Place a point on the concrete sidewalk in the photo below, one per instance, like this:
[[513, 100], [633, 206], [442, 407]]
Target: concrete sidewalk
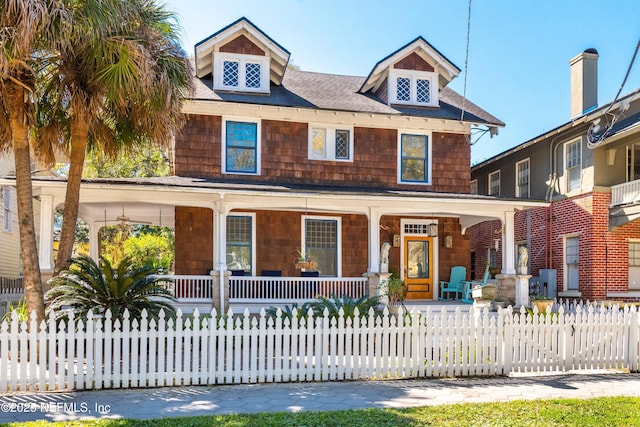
[[295, 397]]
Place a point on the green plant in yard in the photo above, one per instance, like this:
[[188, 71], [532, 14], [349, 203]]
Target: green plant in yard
[[87, 285], [396, 290], [288, 311], [348, 304], [20, 309]]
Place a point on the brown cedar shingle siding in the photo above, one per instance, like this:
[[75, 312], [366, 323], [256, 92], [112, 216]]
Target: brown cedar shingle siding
[[194, 240], [242, 45], [284, 153], [413, 62]]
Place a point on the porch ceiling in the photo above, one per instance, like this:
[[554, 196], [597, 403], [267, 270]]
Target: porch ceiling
[[113, 213]]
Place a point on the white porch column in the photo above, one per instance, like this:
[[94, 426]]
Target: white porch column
[[94, 241], [220, 250], [46, 233], [508, 243], [374, 239]]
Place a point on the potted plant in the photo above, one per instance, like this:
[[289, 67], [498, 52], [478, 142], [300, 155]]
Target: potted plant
[[396, 291], [542, 302], [304, 260], [493, 270]]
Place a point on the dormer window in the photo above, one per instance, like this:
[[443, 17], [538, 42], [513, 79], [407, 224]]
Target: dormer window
[[242, 73], [413, 87]]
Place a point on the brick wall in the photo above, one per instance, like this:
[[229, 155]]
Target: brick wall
[[603, 254], [284, 154], [482, 237]]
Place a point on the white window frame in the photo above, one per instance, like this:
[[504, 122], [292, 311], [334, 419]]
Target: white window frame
[[303, 235], [429, 156], [330, 142], [413, 76], [242, 59], [518, 192], [567, 169], [224, 144], [252, 216], [634, 270], [7, 209], [565, 284], [473, 187], [492, 174]]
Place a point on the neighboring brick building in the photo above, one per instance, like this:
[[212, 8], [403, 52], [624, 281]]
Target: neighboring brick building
[[588, 168]]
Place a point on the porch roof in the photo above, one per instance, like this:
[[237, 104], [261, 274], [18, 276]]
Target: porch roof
[[102, 198]]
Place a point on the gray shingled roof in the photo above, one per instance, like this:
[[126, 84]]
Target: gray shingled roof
[[305, 89]]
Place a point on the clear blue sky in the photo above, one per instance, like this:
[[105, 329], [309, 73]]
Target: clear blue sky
[[519, 50]]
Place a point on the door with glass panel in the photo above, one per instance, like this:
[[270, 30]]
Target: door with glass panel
[[418, 267]]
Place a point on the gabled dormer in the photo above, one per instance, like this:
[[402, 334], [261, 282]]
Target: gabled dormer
[[241, 58], [412, 75]]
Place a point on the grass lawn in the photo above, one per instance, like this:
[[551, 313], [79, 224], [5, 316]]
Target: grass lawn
[[606, 411]]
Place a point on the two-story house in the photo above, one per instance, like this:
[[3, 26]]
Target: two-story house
[[274, 161], [586, 244]]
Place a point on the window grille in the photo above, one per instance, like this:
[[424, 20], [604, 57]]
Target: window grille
[[403, 89], [424, 91], [342, 144], [230, 75], [252, 77]]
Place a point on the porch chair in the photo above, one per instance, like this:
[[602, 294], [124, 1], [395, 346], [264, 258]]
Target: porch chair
[[455, 285], [469, 285]]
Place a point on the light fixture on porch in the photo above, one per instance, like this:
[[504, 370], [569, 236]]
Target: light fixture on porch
[[432, 229]]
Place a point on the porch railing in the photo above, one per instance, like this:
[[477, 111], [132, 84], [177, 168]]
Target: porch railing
[[11, 288], [626, 193], [252, 289], [244, 289]]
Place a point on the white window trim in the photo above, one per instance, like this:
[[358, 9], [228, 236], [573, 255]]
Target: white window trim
[[474, 184], [7, 209], [251, 215], [429, 157], [528, 180], [224, 144], [566, 292], [496, 172], [330, 142], [242, 59], [413, 75], [566, 170], [629, 288], [338, 220]]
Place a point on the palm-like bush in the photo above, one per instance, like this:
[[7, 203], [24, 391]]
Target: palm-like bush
[[87, 286], [348, 304]]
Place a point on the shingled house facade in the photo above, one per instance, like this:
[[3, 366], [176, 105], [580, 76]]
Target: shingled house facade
[[275, 162]]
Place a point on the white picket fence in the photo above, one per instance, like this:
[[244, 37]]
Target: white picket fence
[[206, 350]]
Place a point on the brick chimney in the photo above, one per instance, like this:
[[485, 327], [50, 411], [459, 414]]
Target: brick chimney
[[584, 82]]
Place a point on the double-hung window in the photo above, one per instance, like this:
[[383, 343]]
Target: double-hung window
[[573, 165], [7, 217], [634, 265], [241, 148], [413, 87], [322, 242], [522, 179], [415, 159], [330, 143], [240, 243], [571, 259], [474, 187], [238, 72], [494, 183]]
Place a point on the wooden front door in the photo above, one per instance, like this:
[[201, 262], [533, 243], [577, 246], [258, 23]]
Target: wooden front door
[[418, 267]]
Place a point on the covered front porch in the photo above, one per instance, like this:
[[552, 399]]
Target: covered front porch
[[235, 244]]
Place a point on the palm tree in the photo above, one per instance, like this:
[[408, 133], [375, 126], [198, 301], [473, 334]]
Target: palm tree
[[118, 81], [87, 286], [26, 27]]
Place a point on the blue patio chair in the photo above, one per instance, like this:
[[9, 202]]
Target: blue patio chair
[[455, 285], [469, 285]]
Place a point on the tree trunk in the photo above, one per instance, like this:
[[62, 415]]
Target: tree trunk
[[28, 248], [79, 139]]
